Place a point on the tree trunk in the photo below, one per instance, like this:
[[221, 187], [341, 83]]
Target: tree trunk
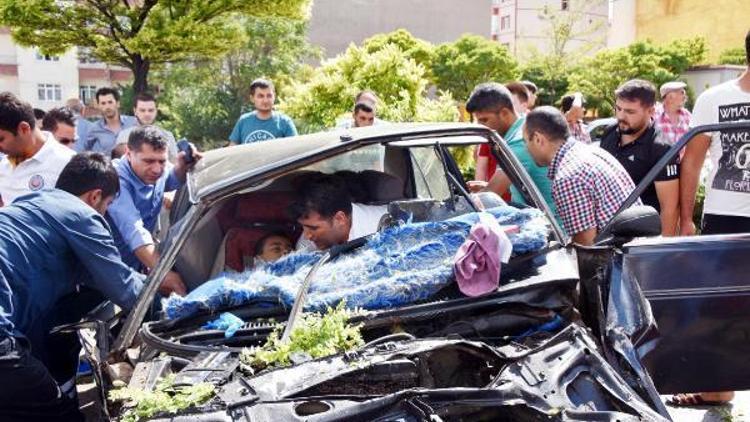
[[140, 70]]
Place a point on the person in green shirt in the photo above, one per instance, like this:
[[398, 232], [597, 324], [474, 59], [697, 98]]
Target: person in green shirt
[[491, 104]]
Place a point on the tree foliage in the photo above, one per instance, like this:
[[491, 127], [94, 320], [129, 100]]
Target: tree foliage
[[459, 66], [203, 99], [419, 50], [138, 34], [600, 75], [733, 56], [550, 74], [575, 22], [550, 69], [399, 81]]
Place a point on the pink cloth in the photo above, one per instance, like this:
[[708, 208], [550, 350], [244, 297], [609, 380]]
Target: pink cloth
[[477, 262]]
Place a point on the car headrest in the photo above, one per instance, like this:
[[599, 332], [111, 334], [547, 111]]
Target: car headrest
[[381, 187]]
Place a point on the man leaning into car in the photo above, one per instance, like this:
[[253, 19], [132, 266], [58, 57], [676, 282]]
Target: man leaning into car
[[329, 216], [588, 184], [51, 241], [145, 175]]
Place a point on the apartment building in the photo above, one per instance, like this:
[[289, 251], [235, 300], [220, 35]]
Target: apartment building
[[48, 81], [522, 25], [334, 24]]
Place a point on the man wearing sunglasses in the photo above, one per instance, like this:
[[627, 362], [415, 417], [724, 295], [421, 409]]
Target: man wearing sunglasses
[[61, 123]]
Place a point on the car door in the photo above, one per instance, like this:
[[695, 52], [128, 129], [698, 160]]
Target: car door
[[699, 291]]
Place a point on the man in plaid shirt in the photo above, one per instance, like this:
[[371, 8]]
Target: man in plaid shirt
[[672, 118], [588, 184]]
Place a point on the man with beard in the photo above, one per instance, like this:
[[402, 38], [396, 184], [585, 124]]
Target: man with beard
[[145, 111], [638, 145], [103, 133]]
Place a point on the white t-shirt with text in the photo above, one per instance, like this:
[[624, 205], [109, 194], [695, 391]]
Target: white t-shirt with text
[[728, 184]]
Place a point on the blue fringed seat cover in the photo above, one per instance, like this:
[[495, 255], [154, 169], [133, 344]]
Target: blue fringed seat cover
[[398, 266]]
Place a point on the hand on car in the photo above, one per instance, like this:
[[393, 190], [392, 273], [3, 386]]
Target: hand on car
[[172, 283], [475, 186], [687, 228]]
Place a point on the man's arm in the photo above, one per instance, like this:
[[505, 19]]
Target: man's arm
[[480, 171], [690, 170], [668, 193], [291, 128], [235, 138], [586, 237], [499, 183], [128, 222], [92, 243], [172, 281]]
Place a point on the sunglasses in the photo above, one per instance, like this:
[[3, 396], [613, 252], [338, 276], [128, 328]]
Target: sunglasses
[[66, 141]]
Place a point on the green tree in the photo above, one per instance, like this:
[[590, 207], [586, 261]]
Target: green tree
[[203, 99], [459, 66], [735, 55], [564, 29], [419, 50], [138, 34], [550, 74], [399, 81], [600, 75]]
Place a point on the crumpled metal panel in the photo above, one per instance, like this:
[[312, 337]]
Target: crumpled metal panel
[[563, 378]]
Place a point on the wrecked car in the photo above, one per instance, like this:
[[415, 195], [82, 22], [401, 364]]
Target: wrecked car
[[563, 337]]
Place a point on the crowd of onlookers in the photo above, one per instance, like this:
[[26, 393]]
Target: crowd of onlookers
[[95, 235]]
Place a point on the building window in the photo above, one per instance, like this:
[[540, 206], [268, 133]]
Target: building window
[[505, 22], [49, 92], [46, 57], [86, 93], [564, 5], [84, 56]]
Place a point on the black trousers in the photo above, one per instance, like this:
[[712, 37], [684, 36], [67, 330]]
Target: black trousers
[[27, 390], [724, 224]]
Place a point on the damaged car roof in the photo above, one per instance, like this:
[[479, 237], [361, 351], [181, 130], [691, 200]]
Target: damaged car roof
[[224, 166]]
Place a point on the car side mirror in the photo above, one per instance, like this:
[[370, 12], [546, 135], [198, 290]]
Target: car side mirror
[[636, 221]]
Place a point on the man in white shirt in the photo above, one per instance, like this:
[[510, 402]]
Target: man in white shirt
[[727, 204], [726, 208], [329, 216], [34, 159]]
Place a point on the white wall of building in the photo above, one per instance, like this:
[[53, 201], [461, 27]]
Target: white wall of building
[[335, 24], [522, 28], [703, 77], [7, 61], [59, 77], [622, 23]]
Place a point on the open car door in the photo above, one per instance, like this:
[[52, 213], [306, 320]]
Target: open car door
[[699, 291]]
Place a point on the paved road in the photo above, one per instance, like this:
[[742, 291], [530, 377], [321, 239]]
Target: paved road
[[738, 411]]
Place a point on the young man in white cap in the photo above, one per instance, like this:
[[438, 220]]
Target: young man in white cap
[[672, 118]]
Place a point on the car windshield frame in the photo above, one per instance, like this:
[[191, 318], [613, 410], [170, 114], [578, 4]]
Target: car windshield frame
[[438, 138]]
